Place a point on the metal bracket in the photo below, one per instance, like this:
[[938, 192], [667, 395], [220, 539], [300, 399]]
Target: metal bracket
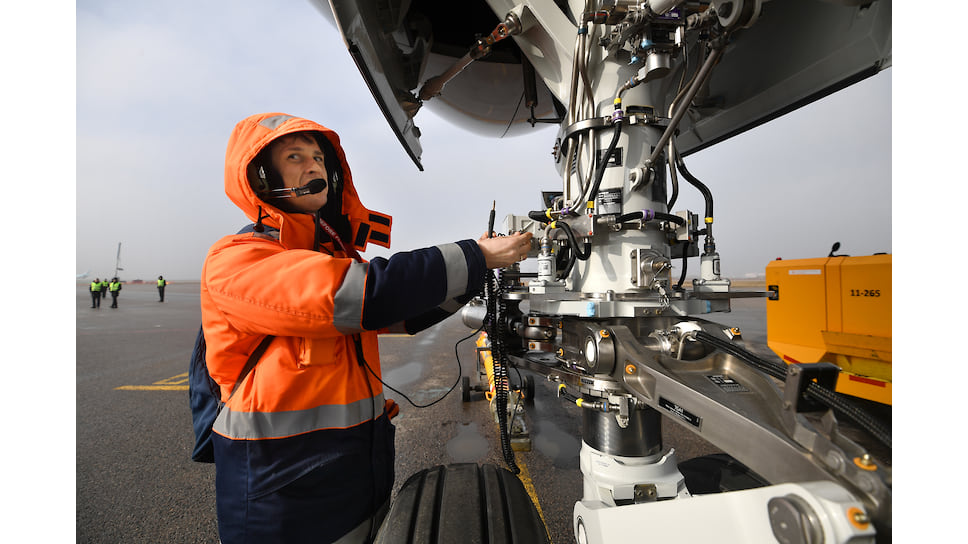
[[801, 375]]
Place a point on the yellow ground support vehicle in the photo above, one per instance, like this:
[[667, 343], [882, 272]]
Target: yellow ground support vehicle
[[835, 309]]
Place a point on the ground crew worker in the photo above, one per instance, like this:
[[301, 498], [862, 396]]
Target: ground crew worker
[[161, 288], [304, 447], [115, 289], [96, 293], [104, 288]]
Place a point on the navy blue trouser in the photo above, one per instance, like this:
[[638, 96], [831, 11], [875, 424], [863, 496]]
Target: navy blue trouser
[[308, 488]]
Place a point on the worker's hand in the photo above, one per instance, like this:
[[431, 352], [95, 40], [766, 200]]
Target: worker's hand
[[501, 251]]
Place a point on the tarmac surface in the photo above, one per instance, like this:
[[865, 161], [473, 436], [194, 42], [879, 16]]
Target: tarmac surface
[[136, 482]]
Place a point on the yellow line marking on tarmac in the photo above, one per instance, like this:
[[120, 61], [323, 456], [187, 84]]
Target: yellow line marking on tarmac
[[174, 383], [525, 478], [180, 379]]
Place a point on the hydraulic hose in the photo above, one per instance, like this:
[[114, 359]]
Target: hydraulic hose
[[581, 402], [567, 270], [581, 256], [685, 265], [674, 181], [649, 215], [541, 217], [607, 157], [837, 401], [575, 253], [775, 370], [814, 391], [707, 195]]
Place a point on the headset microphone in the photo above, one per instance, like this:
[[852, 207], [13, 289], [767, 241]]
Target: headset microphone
[[317, 185]]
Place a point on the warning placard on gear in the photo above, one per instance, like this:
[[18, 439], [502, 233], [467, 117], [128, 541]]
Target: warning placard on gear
[[680, 412], [727, 384], [608, 201]]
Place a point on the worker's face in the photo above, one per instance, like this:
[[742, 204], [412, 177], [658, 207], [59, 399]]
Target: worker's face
[[299, 160]]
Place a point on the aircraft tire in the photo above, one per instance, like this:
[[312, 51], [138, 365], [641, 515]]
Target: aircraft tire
[[463, 502]]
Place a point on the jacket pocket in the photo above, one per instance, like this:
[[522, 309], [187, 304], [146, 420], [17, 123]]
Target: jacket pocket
[[322, 351]]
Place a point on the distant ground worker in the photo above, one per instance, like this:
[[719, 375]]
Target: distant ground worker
[[115, 288], [104, 288], [96, 293], [161, 288], [304, 444]]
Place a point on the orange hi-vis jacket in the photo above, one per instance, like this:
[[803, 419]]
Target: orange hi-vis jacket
[[255, 285], [315, 394]]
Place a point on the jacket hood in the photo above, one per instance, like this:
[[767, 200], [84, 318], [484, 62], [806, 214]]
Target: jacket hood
[[296, 230]]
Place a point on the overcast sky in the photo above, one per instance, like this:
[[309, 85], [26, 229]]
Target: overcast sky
[[151, 90], [160, 85]]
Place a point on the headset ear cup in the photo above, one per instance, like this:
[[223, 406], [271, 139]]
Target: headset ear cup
[[262, 183], [265, 175], [266, 179], [335, 183]]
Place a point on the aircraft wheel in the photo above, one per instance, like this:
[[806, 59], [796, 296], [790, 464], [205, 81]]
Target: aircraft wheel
[[463, 502]]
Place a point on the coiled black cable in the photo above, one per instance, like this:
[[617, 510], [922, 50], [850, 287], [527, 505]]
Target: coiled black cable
[[814, 391], [492, 324]]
